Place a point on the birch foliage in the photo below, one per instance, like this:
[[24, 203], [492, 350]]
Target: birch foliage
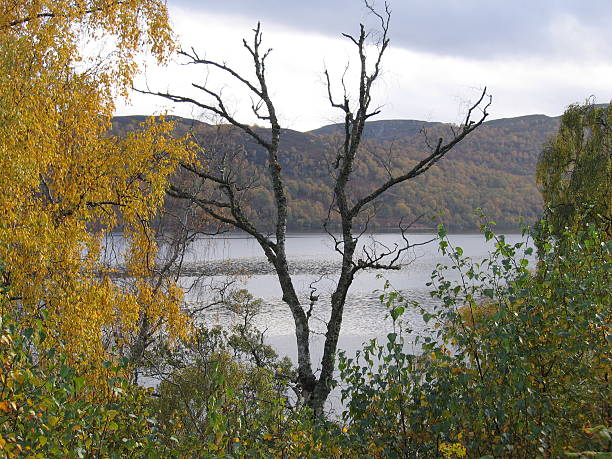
[[66, 182]]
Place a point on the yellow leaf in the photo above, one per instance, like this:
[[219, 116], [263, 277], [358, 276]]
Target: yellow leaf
[[5, 407]]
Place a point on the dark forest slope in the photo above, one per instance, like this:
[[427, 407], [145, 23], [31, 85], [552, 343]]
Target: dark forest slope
[[493, 169]]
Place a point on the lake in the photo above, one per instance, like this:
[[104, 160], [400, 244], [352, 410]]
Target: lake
[[213, 260]]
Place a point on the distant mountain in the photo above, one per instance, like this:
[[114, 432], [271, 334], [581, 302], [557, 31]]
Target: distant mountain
[[384, 130], [124, 124], [493, 169]]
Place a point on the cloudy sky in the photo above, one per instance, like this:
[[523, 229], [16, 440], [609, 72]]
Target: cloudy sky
[[534, 56]]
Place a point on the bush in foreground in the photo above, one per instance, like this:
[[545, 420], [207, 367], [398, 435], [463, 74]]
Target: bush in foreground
[[514, 364]]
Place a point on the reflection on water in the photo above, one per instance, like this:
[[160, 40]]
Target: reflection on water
[[313, 262]]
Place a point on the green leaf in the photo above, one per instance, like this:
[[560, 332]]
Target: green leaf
[[79, 382], [397, 312]]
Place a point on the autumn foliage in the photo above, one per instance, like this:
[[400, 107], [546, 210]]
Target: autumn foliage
[[515, 361], [66, 182]]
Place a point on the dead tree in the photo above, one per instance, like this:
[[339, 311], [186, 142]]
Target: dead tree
[[229, 206]]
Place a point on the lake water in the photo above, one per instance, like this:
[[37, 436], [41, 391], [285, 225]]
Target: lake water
[[312, 259], [211, 262]]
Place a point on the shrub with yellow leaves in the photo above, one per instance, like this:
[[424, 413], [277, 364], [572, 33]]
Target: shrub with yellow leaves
[[452, 450]]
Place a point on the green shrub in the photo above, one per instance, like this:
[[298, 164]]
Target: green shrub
[[47, 409], [525, 378]]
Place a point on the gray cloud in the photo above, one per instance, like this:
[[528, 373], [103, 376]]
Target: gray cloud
[[469, 28]]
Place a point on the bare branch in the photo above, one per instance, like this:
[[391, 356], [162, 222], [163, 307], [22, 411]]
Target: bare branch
[[342, 106], [438, 153], [350, 37], [222, 66], [220, 110]]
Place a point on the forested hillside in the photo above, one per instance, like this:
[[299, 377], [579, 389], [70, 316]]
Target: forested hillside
[[494, 169]]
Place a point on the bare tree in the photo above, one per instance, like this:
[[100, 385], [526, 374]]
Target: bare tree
[[230, 207]]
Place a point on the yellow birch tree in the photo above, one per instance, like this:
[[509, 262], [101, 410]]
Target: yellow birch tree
[[65, 182]]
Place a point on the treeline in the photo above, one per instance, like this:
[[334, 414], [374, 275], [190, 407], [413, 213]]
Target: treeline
[[493, 169]]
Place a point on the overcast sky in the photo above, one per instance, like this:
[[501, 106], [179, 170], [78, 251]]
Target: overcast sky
[[534, 56]]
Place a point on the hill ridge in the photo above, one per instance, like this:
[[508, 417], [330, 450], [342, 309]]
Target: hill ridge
[[492, 169]]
